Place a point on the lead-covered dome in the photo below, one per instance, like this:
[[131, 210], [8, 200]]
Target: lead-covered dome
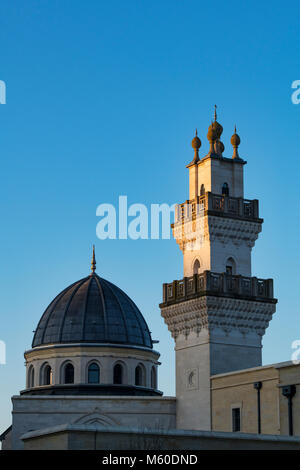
[[92, 310]]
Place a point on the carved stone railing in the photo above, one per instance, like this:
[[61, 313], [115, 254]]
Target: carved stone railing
[[217, 284], [217, 204]]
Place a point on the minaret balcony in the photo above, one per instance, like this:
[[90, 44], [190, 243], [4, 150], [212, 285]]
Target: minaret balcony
[[218, 285], [217, 204]]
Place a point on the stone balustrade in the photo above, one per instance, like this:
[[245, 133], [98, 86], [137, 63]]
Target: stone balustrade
[[216, 204], [217, 284]]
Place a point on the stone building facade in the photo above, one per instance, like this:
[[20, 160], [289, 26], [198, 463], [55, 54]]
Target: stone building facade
[[261, 395]]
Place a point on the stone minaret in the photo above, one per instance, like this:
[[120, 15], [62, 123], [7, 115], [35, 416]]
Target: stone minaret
[[218, 313]]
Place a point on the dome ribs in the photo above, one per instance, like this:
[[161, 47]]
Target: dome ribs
[[50, 307], [138, 316], [103, 306], [93, 310], [108, 285], [79, 284]]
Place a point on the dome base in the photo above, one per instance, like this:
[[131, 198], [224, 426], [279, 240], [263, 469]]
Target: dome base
[[92, 389]]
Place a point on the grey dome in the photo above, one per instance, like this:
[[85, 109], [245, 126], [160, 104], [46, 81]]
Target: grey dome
[[92, 310]]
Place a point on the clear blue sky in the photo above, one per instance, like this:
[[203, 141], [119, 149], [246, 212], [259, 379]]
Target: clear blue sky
[[102, 100]]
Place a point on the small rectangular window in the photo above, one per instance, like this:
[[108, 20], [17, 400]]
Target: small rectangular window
[[236, 419]]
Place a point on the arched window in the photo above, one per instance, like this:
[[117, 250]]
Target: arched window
[[46, 375], [196, 267], [153, 378], [202, 190], [118, 374], [230, 266], [69, 374], [139, 375], [225, 189], [31, 377], [93, 373]]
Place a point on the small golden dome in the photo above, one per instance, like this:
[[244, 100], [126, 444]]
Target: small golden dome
[[217, 125], [196, 142], [235, 139], [212, 133], [221, 147], [235, 142], [218, 128]]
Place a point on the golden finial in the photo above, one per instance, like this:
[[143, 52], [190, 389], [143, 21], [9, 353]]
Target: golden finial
[[196, 144], [93, 263], [215, 116], [235, 142], [212, 133]]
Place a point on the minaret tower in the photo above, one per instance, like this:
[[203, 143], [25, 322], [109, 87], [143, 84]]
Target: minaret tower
[[218, 313]]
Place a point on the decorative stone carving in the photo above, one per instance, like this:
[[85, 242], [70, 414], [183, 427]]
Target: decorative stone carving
[[191, 234], [192, 380], [209, 312], [97, 418]]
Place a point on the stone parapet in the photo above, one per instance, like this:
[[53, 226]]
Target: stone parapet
[[217, 284], [217, 204], [75, 437]]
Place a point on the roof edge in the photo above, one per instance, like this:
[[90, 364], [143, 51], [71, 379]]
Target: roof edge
[[99, 345]]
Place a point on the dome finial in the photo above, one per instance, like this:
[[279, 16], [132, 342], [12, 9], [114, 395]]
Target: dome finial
[[93, 263], [214, 133], [196, 144], [235, 142], [212, 136]]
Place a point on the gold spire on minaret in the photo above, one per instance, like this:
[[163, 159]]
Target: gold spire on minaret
[[235, 142], [212, 137], [93, 263], [217, 125], [218, 145], [196, 144]]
